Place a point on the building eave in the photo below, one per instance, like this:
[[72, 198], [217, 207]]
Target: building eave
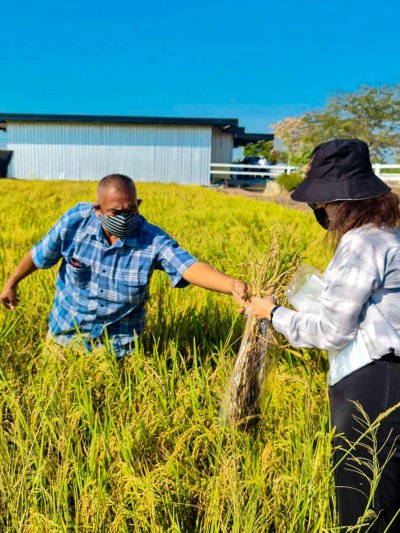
[[243, 139], [224, 123]]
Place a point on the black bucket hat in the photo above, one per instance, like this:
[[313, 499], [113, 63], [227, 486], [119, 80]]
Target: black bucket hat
[[339, 169]]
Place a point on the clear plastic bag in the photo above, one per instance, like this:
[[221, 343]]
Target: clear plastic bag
[[305, 289], [304, 294], [353, 356], [242, 401]]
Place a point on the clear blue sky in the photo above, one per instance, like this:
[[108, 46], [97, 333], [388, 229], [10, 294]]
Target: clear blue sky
[[257, 61]]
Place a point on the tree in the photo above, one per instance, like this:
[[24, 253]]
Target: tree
[[371, 114], [263, 148], [291, 133]]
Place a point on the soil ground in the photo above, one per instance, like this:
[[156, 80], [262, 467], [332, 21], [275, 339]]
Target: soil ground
[[282, 198]]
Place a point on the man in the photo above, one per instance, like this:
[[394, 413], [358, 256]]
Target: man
[[109, 252]]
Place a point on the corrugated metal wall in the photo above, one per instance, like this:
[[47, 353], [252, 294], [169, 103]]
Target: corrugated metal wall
[[3, 139], [222, 147], [178, 154]]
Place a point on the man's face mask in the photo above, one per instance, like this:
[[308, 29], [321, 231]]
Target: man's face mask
[[321, 215], [120, 225]]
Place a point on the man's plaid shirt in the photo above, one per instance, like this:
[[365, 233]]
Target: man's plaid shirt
[[110, 286]]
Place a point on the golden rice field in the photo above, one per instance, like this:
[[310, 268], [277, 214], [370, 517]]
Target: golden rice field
[[90, 444]]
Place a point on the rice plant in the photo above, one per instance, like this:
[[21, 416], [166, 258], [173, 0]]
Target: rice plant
[[89, 443]]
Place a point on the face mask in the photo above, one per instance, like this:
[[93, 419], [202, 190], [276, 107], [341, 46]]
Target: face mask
[[322, 217], [120, 225]]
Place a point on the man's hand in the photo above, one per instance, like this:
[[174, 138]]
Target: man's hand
[[9, 297], [239, 288]]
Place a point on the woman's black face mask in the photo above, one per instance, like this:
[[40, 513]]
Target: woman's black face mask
[[321, 215]]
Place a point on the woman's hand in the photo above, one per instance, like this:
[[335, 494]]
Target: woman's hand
[[260, 307]]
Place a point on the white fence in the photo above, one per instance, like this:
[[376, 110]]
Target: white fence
[[389, 177], [230, 172]]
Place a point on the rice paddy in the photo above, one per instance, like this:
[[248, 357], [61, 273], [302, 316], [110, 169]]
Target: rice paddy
[[88, 443]]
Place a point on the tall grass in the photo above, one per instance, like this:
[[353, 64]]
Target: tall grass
[[89, 443]]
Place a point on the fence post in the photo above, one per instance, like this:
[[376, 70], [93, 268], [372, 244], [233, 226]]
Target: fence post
[[377, 169]]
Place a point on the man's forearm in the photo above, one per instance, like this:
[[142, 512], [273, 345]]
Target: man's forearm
[[207, 277], [25, 267]]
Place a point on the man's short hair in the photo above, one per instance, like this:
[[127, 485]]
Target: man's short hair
[[117, 181]]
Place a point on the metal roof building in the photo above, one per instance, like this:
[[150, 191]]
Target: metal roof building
[[85, 147]]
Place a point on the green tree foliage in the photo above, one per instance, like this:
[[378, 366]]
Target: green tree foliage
[[264, 148], [371, 114]]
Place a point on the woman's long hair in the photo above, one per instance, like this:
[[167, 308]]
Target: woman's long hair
[[382, 211]]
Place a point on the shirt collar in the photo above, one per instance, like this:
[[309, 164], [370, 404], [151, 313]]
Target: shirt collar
[[93, 226]]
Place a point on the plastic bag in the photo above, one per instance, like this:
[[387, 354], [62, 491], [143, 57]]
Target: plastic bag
[[304, 294], [242, 401], [305, 289], [353, 356]]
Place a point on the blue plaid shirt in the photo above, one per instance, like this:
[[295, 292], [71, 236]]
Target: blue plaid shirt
[[110, 286]]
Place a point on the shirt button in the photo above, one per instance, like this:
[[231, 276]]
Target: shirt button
[[101, 290], [103, 270]]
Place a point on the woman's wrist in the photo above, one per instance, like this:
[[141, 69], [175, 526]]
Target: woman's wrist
[[272, 311]]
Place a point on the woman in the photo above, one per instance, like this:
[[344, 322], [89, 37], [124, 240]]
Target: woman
[[361, 297]]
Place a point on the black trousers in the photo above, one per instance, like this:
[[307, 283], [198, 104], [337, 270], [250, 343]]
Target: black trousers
[[376, 387]]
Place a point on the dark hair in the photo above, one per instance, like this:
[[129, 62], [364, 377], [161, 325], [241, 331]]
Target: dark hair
[[119, 181], [380, 211]]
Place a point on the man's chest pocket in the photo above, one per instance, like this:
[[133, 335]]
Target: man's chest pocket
[[79, 276]]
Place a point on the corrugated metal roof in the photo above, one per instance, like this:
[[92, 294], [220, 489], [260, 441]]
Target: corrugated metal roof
[[228, 125]]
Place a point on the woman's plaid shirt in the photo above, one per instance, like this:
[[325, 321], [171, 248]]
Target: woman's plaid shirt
[[362, 292]]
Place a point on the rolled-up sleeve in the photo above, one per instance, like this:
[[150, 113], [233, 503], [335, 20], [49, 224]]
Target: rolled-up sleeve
[[340, 311], [174, 260], [47, 252]]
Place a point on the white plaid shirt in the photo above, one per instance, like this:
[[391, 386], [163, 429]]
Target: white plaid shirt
[[362, 292]]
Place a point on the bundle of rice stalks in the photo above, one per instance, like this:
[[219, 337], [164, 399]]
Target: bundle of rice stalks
[[243, 398], [242, 403]]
